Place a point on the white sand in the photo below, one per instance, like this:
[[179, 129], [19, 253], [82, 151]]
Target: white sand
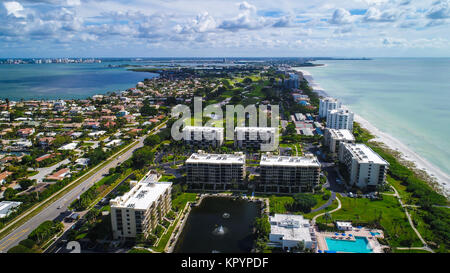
[[406, 153]]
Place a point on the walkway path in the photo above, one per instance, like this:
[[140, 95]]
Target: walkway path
[[327, 204], [425, 245], [318, 215]]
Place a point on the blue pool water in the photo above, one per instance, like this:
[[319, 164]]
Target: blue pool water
[[360, 245], [375, 233]]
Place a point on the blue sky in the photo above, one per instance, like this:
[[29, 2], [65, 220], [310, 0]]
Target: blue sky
[[211, 28]]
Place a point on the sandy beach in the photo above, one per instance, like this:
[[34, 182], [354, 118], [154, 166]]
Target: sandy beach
[[442, 179]]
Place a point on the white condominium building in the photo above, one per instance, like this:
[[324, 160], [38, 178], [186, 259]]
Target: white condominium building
[[326, 104], [332, 138], [288, 230], [203, 136], [139, 210], [288, 174], [253, 137], [341, 118], [364, 166], [215, 171]]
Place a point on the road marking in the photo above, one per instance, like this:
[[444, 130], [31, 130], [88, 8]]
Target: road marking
[[14, 237]]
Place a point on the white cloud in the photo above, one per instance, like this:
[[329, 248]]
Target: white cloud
[[375, 15], [341, 17], [14, 8]]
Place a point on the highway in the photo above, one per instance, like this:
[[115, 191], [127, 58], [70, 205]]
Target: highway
[[53, 210]]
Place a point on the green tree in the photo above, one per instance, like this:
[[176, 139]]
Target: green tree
[[152, 140], [304, 202]]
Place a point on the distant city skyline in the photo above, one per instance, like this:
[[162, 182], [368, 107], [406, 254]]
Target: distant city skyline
[[213, 28]]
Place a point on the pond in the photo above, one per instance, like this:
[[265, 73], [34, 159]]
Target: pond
[[219, 225]]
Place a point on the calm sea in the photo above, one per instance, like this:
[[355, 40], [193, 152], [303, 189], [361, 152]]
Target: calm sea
[[408, 98], [65, 81]]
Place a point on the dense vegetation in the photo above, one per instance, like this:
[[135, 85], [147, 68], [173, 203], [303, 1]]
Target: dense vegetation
[[435, 218]]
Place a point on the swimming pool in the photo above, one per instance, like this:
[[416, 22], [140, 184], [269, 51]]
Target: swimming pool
[[375, 233], [360, 245]]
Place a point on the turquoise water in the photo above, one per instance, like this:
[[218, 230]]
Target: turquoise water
[[64, 81], [408, 98], [360, 245]]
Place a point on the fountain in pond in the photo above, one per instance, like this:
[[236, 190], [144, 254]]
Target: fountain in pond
[[226, 215], [220, 230]]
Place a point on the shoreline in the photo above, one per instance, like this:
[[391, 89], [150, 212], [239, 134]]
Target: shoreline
[[439, 179]]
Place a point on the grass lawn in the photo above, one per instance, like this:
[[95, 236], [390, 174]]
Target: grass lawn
[[167, 178], [277, 204], [386, 213], [180, 201], [327, 209], [404, 195], [409, 251]]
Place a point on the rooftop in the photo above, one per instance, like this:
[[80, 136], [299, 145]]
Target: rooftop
[[202, 128], [275, 160], [6, 207], [255, 129], [202, 157], [341, 134], [364, 154], [142, 195], [291, 227]]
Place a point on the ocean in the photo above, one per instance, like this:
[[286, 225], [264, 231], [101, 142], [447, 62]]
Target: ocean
[[407, 98], [65, 81]]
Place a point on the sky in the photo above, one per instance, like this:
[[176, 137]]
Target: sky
[[224, 28]]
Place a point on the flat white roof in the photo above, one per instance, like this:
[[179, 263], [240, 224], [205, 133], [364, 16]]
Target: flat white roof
[[291, 227], [330, 99], [343, 224], [364, 154], [202, 128], [201, 157], [142, 195], [69, 146], [275, 160], [255, 129], [7, 206], [341, 134], [340, 111]]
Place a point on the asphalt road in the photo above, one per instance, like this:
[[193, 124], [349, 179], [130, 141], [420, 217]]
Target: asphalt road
[[56, 208]]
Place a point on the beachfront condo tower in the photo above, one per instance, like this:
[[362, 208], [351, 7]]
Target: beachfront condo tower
[[341, 118], [215, 171], [332, 138], [288, 174], [200, 136], [364, 167], [328, 104], [141, 209]]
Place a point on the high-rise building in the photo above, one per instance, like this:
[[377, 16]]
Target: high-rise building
[[215, 171], [253, 137], [332, 138], [288, 174], [141, 209], [293, 81], [364, 166], [203, 136], [341, 118], [326, 104]]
